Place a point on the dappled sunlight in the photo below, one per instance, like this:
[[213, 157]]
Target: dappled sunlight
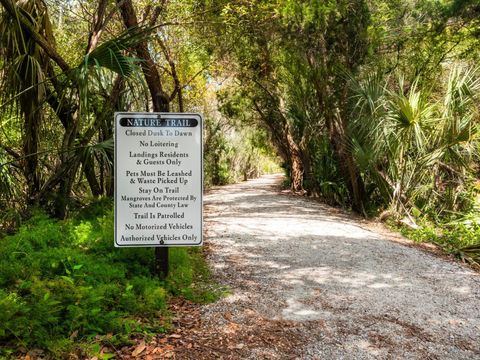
[[462, 290], [301, 263], [296, 310], [267, 227]]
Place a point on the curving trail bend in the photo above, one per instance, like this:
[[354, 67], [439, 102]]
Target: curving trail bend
[[307, 282]]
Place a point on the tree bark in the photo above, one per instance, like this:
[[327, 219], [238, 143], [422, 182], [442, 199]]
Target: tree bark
[[286, 146], [160, 99], [337, 129], [346, 163], [97, 26], [88, 165], [296, 171], [33, 118]]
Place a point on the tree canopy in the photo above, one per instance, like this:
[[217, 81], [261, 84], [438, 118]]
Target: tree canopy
[[368, 104], [372, 105]]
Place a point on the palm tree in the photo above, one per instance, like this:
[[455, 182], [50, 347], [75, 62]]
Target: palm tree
[[33, 81], [24, 79], [416, 150]]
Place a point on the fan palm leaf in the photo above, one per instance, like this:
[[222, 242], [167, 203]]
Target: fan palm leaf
[[23, 85]]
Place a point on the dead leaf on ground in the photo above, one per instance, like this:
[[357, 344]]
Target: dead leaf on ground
[[106, 350], [162, 340], [139, 349], [156, 350], [169, 348]]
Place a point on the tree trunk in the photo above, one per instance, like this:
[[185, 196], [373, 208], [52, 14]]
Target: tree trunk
[[160, 99], [336, 126], [70, 163], [310, 184], [286, 146], [346, 162], [33, 116], [88, 165], [296, 171]]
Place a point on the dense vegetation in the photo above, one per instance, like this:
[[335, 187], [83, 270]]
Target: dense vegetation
[[62, 288], [372, 105]]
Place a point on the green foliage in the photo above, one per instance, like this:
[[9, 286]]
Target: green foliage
[[63, 280], [236, 151], [367, 103], [460, 236], [425, 146], [111, 53], [327, 181]]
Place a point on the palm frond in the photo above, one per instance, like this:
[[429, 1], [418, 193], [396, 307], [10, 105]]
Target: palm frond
[[8, 182], [111, 54], [368, 93], [103, 150]]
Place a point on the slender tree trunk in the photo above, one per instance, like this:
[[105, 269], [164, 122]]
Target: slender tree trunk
[[88, 165], [33, 118], [337, 128], [283, 140], [310, 184], [346, 163], [160, 99], [70, 163], [216, 169], [297, 169]]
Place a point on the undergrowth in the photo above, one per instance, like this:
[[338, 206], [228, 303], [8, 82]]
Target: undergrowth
[[458, 236], [64, 287]]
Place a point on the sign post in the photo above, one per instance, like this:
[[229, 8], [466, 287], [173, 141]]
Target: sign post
[[158, 181]]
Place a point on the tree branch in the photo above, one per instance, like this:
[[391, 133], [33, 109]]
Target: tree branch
[[97, 26], [10, 151], [39, 39], [152, 77]]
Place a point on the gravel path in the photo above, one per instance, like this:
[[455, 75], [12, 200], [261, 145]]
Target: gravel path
[[307, 282]]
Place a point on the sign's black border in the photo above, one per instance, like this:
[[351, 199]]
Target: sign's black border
[[199, 117]]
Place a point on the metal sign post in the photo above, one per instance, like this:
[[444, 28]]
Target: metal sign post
[[158, 182]]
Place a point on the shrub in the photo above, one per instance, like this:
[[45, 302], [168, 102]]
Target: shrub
[[460, 237], [64, 280]]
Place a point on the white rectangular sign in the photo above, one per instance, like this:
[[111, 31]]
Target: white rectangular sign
[[158, 179]]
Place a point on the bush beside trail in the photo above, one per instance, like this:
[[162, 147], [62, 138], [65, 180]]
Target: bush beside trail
[[64, 287]]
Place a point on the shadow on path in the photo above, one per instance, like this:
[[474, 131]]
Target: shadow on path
[[345, 292]]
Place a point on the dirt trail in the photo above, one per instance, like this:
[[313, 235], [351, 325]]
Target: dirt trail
[[309, 283]]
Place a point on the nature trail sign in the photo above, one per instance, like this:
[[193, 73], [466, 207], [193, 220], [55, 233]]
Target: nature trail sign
[[158, 179]]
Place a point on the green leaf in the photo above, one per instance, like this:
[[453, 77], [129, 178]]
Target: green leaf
[[107, 356], [68, 279], [95, 311], [112, 53]]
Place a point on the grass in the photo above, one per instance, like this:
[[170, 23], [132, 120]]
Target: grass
[[65, 288]]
